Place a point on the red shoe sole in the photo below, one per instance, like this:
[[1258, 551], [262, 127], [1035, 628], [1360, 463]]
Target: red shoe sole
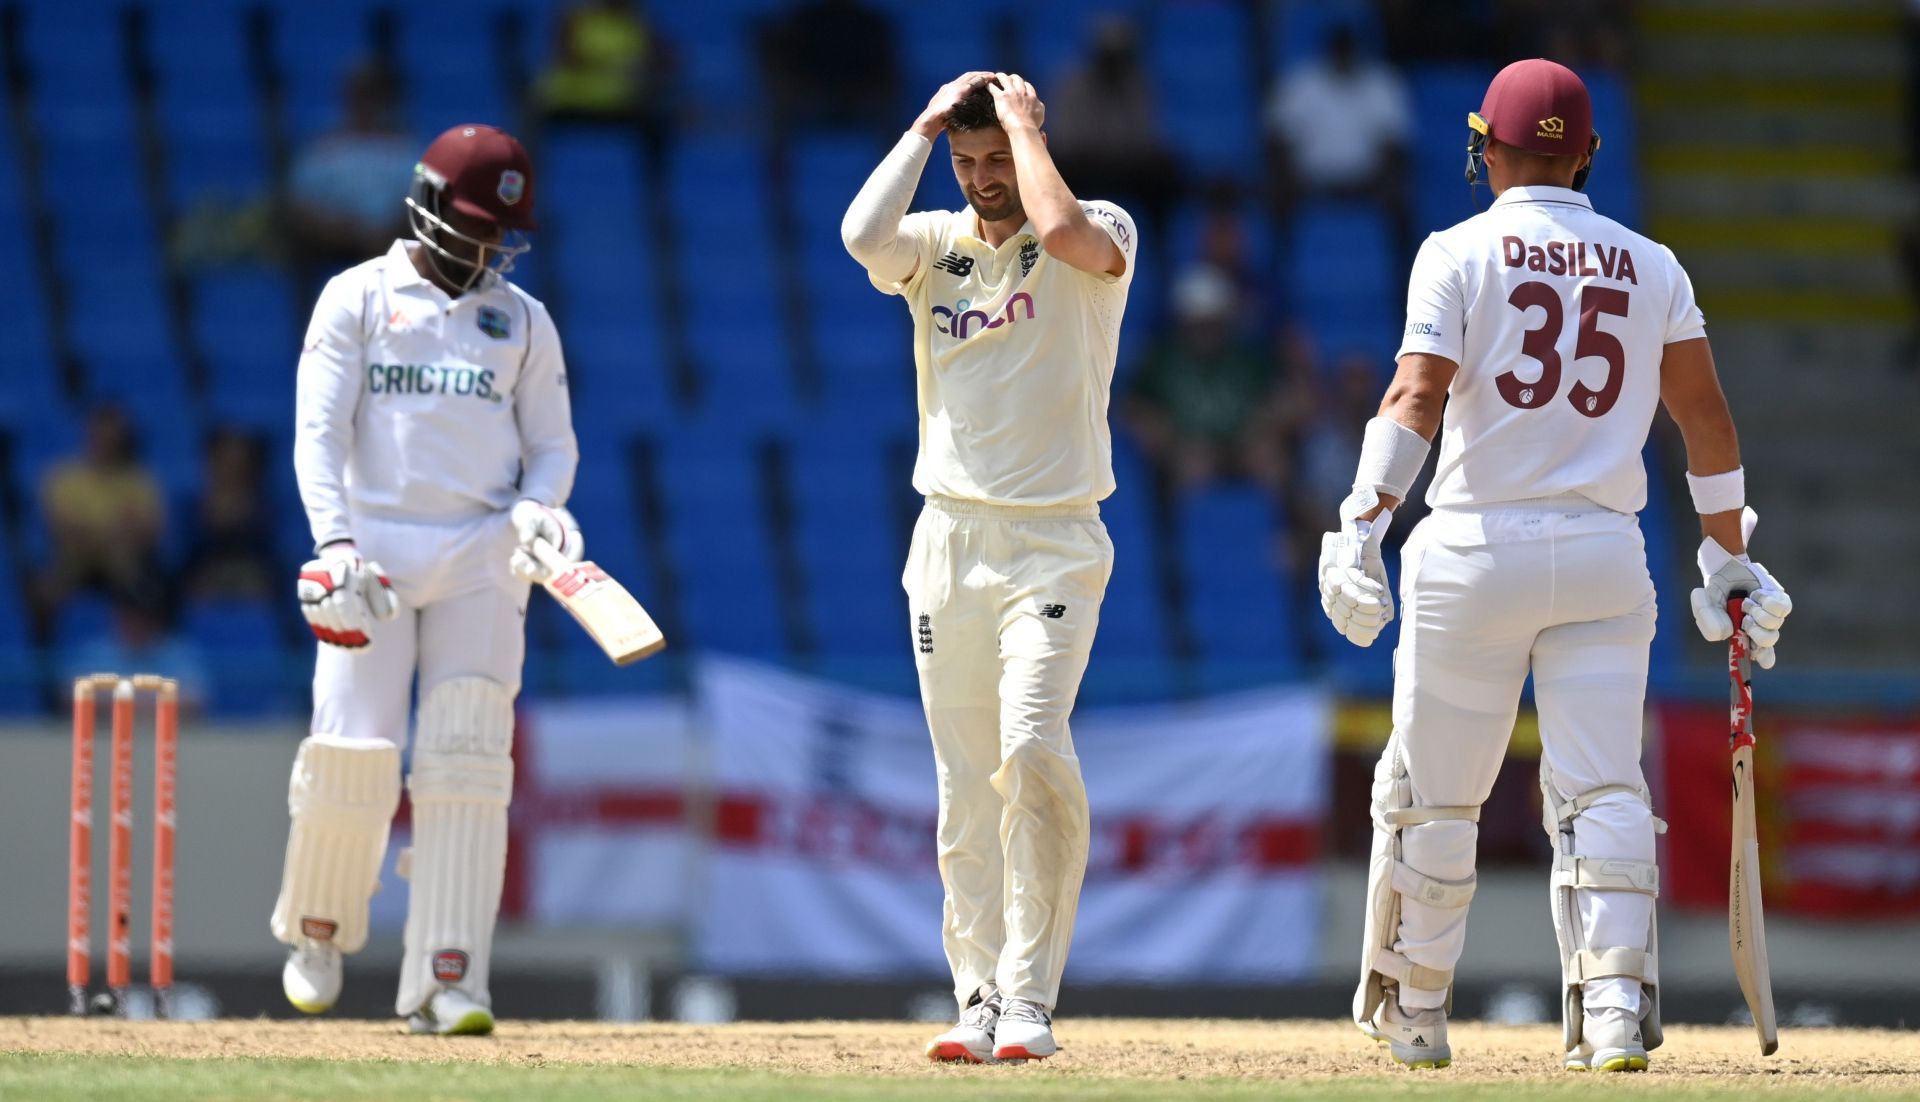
[[951, 1052], [1018, 1052]]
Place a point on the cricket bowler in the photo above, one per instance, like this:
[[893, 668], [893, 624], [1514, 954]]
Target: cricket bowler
[[1016, 302], [433, 435], [1549, 334]]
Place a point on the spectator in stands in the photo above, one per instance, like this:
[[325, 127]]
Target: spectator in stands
[[1203, 405], [229, 546], [1103, 127], [1338, 128], [340, 190], [608, 67], [105, 515], [829, 64], [142, 639]]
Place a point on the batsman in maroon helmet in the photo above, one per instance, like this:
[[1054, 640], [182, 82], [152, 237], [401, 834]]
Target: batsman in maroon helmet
[[1549, 334], [432, 435]]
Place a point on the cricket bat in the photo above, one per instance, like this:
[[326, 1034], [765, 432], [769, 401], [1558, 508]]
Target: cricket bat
[[1746, 924], [603, 606]]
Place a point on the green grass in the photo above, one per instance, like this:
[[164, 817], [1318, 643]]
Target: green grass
[[149, 1079]]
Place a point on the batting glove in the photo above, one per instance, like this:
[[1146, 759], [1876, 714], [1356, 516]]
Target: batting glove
[[1353, 579], [1764, 610], [341, 595], [534, 521]]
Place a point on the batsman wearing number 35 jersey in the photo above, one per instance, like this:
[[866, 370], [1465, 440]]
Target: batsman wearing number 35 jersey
[[433, 436], [1016, 305], [1550, 334]]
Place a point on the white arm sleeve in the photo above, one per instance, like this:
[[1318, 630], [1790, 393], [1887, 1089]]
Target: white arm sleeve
[[871, 229], [328, 394], [548, 451]]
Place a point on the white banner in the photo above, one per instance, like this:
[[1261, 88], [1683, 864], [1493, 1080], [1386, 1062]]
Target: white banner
[[1205, 828]]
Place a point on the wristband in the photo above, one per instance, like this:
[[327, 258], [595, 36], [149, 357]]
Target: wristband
[[1718, 493]]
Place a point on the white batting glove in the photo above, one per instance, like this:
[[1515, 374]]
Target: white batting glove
[[534, 521], [341, 595], [1353, 579], [1766, 605]]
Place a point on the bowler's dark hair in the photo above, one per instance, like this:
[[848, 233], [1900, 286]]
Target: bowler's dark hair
[[974, 111]]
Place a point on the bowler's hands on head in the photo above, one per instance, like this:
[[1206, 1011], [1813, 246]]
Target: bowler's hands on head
[[1015, 103], [934, 119]]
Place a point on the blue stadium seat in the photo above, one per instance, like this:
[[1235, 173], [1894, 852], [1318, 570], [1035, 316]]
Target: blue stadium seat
[[1201, 54], [1341, 279], [1238, 607], [716, 530], [1442, 97], [937, 44], [84, 618], [712, 45], [1299, 29], [449, 51], [848, 541], [735, 310], [315, 47], [1133, 621], [247, 327]]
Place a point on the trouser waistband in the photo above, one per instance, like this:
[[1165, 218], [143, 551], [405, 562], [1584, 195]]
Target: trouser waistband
[[960, 507]]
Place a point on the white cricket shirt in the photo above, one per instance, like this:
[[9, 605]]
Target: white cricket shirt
[[1558, 317], [1015, 352], [420, 407]]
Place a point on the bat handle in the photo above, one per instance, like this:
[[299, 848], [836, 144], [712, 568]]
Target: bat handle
[[550, 556], [1736, 607]]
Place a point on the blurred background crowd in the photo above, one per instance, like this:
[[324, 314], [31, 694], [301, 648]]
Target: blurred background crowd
[[179, 179]]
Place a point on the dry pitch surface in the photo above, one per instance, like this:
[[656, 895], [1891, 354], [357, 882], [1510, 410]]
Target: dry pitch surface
[[1099, 1058]]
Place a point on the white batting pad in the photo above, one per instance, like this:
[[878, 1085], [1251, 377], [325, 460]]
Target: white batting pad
[[341, 797], [461, 783], [1394, 885], [1602, 941]]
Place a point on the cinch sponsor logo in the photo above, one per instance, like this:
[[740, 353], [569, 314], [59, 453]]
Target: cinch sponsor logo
[[961, 323], [431, 379]]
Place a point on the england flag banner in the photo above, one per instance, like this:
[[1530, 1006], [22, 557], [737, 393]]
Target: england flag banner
[[1206, 822]]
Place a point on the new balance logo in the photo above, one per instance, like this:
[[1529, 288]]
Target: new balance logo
[[961, 266], [1053, 612]]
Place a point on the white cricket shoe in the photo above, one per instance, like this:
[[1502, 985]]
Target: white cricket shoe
[[313, 976], [970, 1041], [1417, 1038], [1610, 1040], [452, 1012], [1025, 1032]]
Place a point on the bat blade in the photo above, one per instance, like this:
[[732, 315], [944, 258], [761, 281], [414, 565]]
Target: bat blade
[[602, 606], [1746, 919]]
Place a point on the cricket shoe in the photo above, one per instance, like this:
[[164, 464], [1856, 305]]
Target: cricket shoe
[[1417, 1039], [452, 1012], [1610, 1040], [970, 1041], [313, 976], [1025, 1032]]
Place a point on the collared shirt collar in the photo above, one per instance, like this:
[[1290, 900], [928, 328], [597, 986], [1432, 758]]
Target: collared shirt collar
[[1543, 195], [400, 265], [972, 229]]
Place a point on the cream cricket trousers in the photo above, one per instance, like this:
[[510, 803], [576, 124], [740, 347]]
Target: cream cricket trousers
[[1003, 606], [1558, 586]]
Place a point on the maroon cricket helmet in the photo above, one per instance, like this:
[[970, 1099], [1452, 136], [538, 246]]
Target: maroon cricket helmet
[[1539, 105], [482, 172]]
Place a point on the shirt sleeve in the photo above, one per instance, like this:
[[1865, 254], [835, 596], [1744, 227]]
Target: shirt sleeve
[[332, 361], [1118, 225], [1684, 319], [549, 454], [922, 230], [1436, 305]]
